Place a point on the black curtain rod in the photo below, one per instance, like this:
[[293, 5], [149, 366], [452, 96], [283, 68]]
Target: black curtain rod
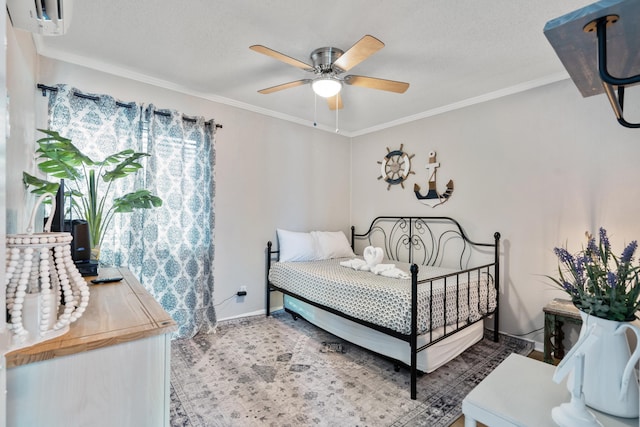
[[45, 88]]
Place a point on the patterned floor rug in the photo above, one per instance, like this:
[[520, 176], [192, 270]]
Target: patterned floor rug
[[275, 371]]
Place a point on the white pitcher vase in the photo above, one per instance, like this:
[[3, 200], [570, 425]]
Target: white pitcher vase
[[610, 382]]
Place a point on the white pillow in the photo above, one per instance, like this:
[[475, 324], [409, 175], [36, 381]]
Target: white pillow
[[296, 246], [332, 244]]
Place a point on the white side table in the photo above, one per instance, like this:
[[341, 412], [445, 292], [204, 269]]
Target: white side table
[[520, 392]]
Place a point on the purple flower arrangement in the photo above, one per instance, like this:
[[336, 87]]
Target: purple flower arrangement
[[599, 282]]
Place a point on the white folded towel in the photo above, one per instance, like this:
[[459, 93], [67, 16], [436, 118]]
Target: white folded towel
[[373, 256], [356, 264], [395, 273], [387, 270], [378, 269]]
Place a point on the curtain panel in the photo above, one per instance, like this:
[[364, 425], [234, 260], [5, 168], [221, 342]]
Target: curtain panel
[[170, 248]]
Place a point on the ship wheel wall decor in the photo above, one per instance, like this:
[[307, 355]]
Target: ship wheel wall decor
[[433, 198], [395, 167]]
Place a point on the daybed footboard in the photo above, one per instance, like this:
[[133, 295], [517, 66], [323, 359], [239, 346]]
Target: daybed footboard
[[433, 242]]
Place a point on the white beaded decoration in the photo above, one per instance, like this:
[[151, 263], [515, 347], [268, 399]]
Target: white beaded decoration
[[42, 264]]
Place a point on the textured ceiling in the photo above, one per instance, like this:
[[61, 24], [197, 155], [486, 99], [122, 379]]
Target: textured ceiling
[[452, 52]]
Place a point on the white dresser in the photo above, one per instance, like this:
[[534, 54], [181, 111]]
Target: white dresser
[[111, 369]]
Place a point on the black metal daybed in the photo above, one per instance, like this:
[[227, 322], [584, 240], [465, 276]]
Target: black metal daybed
[[421, 321]]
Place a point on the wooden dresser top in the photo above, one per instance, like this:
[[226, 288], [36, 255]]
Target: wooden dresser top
[[117, 313]]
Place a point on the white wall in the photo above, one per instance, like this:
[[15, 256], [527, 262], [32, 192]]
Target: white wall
[[21, 90], [541, 167], [269, 173]]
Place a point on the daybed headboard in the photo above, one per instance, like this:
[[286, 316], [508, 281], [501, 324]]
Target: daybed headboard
[[434, 241]]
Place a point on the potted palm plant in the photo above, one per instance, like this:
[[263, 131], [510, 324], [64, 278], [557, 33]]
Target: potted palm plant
[[89, 182]]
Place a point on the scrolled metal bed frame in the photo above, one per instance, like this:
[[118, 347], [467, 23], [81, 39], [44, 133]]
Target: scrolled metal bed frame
[[407, 239]]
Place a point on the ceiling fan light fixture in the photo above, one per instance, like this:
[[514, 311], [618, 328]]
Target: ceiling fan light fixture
[[326, 87]]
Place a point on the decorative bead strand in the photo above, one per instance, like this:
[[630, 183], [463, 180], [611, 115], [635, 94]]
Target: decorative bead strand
[[81, 292], [55, 280], [11, 265], [13, 276], [45, 292], [67, 295], [22, 279], [32, 284], [79, 286]]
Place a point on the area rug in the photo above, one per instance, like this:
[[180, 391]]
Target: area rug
[[276, 371]]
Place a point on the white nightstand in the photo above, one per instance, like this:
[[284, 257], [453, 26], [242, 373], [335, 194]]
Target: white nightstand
[[520, 392]]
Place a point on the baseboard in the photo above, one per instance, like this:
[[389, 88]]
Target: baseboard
[[251, 314], [537, 346]]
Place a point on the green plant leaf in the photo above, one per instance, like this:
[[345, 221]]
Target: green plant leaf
[[141, 199], [116, 158], [40, 186], [125, 167], [59, 157], [53, 136]]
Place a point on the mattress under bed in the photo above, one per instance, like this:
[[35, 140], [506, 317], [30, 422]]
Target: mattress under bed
[[428, 360]]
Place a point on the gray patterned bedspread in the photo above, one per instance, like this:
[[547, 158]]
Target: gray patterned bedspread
[[386, 301]]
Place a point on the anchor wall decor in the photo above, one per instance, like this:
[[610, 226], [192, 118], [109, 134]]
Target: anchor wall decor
[[433, 198]]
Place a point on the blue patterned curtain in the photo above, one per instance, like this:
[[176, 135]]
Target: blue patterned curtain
[[169, 248], [176, 253]]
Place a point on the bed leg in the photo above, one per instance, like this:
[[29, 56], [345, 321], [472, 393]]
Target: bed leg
[[414, 331], [268, 301], [496, 316], [268, 267], [414, 381]]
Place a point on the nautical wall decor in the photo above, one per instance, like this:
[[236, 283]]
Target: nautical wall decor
[[433, 198], [395, 168]]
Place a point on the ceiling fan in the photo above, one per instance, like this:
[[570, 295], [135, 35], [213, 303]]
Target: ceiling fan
[[328, 65]]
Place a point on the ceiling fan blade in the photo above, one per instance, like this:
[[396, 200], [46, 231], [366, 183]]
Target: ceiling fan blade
[[335, 102], [375, 83], [284, 86], [364, 48], [281, 57]]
